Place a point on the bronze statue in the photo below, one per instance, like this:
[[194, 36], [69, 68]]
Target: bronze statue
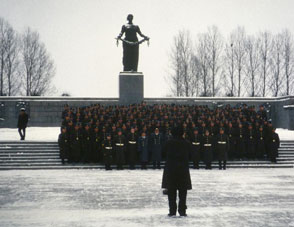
[[131, 44]]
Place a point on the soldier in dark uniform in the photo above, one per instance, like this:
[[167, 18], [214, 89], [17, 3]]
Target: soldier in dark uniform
[[22, 122], [65, 111], [64, 144], [262, 113], [103, 133], [76, 144], [132, 148], [87, 144], [260, 143], [274, 144], [176, 175], [107, 151], [156, 140], [143, 150], [251, 142], [96, 145], [196, 148], [222, 147], [207, 143], [120, 149], [240, 142], [232, 141]]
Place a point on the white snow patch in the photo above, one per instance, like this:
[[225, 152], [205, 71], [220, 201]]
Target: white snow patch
[[32, 134], [93, 198], [285, 134]]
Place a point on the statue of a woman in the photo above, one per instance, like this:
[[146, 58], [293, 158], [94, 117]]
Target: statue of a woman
[[131, 44]]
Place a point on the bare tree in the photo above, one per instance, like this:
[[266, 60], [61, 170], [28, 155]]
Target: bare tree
[[3, 34], [229, 68], [256, 65], [185, 46], [180, 58], [214, 47], [276, 66], [176, 85], [38, 67], [252, 63], [265, 50], [288, 59], [238, 37], [203, 58], [11, 46], [195, 68]]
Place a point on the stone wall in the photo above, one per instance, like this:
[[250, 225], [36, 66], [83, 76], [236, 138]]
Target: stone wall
[[46, 111]]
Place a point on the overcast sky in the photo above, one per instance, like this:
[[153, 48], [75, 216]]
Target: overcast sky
[[79, 34]]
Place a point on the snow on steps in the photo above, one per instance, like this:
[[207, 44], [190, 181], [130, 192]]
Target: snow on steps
[[27, 155]]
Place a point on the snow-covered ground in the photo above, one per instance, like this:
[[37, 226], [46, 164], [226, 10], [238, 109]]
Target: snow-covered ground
[[51, 134], [32, 134], [236, 197]]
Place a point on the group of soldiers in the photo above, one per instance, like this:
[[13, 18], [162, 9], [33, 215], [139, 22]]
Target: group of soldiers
[[119, 135]]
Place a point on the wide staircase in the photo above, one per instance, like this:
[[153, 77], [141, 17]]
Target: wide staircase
[[16, 155]]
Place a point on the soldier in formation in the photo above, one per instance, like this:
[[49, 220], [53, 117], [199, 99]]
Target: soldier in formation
[[139, 131]]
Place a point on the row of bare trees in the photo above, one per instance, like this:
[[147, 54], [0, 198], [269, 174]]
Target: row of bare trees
[[26, 68], [239, 65]]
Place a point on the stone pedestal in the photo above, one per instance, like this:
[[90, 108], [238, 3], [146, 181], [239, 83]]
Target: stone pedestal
[[131, 87]]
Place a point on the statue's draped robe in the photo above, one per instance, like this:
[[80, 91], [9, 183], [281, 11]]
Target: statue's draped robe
[[130, 52]]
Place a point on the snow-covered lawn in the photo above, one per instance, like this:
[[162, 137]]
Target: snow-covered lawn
[[236, 197], [51, 134]]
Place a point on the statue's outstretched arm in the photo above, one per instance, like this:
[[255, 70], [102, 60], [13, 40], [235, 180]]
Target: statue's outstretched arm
[[142, 35], [122, 32]]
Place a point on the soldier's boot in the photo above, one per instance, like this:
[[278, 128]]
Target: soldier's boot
[[225, 165], [219, 165]]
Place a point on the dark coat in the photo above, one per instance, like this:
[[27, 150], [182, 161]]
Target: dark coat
[[207, 146], [274, 144], [64, 145], [120, 149], [231, 132], [132, 148], [156, 142], [240, 142], [196, 147], [251, 143], [222, 147], [176, 173], [107, 151], [143, 149], [260, 144], [76, 145], [87, 145], [22, 120], [96, 146]]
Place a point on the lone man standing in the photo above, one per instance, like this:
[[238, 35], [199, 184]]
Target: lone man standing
[[176, 175], [23, 119]]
